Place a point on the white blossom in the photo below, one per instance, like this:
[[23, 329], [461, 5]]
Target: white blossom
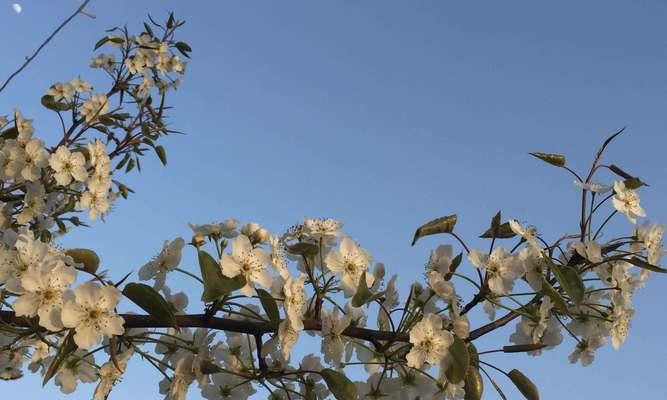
[[68, 166], [44, 292], [350, 262], [430, 342], [92, 314], [247, 261], [627, 201], [502, 267], [168, 259]]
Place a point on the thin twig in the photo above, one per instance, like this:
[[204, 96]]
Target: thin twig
[[48, 39]]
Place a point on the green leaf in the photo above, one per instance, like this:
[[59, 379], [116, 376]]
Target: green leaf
[[522, 348], [439, 225], [303, 249], [68, 346], [10, 133], [638, 262], [49, 102], [504, 232], [460, 361], [215, 283], [618, 171], [101, 42], [474, 386], [341, 387], [569, 280], [269, 305], [555, 159], [555, 297], [363, 294], [87, 257], [183, 48], [525, 385], [495, 224], [162, 154], [148, 29], [170, 21], [634, 183], [150, 301]]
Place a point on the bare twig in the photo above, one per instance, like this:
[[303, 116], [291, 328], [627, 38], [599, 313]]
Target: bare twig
[[48, 39]]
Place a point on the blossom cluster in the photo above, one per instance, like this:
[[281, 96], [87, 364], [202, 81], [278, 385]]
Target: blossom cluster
[[262, 291]]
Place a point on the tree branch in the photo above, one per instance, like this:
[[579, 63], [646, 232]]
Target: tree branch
[[48, 39]]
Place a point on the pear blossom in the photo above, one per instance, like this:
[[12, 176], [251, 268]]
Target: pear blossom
[[95, 107], [502, 267], [333, 326], [350, 261], [92, 314], [104, 61], [255, 233], [440, 259], [430, 342], [620, 326], [591, 251], [44, 294], [627, 201], [225, 229], [61, 91], [592, 187], [168, 259], [534, 265], [80, 86], [444, 289], [651, 238], [29, 254], [277, 257], [288, 335], [109, 375], [78, 368], [326, 229], [247, 261], [585, 350], [526, 232], [97, 203], [68, 166], [295, 301], [35, 159]]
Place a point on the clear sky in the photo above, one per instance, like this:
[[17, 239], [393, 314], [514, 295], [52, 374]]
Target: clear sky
[[383, 114]]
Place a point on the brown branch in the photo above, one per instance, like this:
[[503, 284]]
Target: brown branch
[[257, 329], [254, 328], [48, 39]]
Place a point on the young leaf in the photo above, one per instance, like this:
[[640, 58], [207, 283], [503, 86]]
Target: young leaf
[[162, 154], [460, 361], [636, 261], [363, 295], [569, 279], [557, 160], [525, 386], [341, 387], [150, 301], [101, 42], [495, 225], [474, 386], [269, 305], [439, 225], [87, 257], [216, 284], [66, 348], [504, 232], [183, 48], [555, 297]]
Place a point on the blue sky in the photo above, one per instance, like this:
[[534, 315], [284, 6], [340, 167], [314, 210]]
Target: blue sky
[[383, 114]]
